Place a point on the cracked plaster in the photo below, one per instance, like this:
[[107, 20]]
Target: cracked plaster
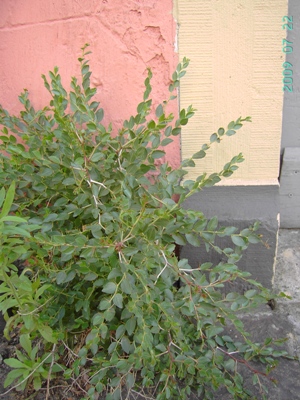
[[125, 37]]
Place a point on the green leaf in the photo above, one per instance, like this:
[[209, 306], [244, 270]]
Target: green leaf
[[255, 379], [104, 304], [120, 331], [13, 218], [15, 230], [51, 217], [2, 194], [9, 198], [168, 392], [193, 239], [179, 239], [229, 230], [254, 239], [122, 365], [14, 374], [151, 125], [91, 276], [212, 331], [184, 121], [176, 131], [55, 159], [229, 365], [212, 224], [161, 347], [130, 380], [256, 225], [166, 141], [114, 273], [14, 363], [26, 343], [58, 239], [97, 156], [150, 233], [118, 300], [213, 138], [205, 266], [237, 126], [230, 132], [112, 347], [231, 296], [231, 125], [110, 288], [67, 254], [99, 115], [158, 154], [126, 285], [97, 319], [47, 333], [168, 131], [37, 382], [130, 325], [125, 344], [199, 154], [61, 277], [68, 181], [238, 240], [250, 293], [227, 339], [159, 111]]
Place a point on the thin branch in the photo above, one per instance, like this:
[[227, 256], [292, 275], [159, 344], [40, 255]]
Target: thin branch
[[166, 265], [98, 183], [36, 309], [49, 373], [242, 361], [74, 354], [75, 382]]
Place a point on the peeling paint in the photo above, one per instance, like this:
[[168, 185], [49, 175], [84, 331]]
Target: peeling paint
[[125, 37]]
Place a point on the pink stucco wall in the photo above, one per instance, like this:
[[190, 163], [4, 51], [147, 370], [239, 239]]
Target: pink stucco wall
[[125, 38]]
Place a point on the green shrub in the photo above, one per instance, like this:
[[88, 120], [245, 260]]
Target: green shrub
[[96, 303]]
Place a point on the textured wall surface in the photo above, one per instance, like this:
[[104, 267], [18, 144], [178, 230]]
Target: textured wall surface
[[126, 37], [235, 47]]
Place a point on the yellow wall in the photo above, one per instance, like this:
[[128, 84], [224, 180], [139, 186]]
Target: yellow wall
[[235, 48]]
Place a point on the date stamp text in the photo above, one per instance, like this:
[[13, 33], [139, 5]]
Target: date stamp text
[[287, 47]]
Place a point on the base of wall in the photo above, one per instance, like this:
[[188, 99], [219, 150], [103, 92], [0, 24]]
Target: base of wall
[[240, 206], [290, 189]]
